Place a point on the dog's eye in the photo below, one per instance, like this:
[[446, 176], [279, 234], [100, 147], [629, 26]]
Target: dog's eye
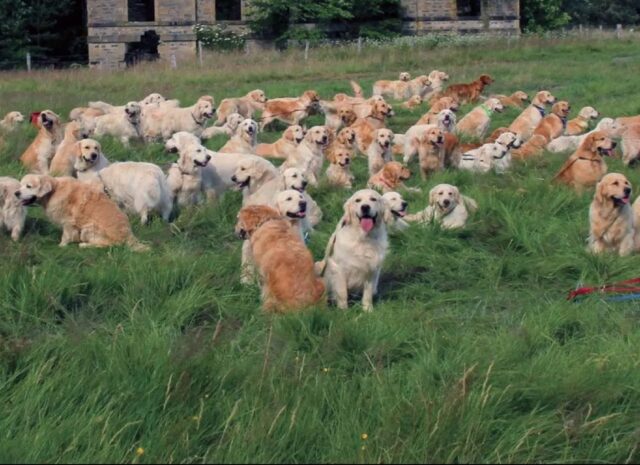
[[373, 199], [289, 199], [28, 186], [295, 176], [358, 200], [616, 183]]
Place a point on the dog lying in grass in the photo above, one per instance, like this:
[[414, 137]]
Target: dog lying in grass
[[447, 207]]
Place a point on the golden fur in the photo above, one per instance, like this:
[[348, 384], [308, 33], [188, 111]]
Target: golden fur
[[528, 120], [289, 110], [552, 126], [515, 100], [285, 265], [285, 146], [38, 155], [245, 106], [466, 93], [365, 127], [580, 124], [64, 158], [390, 177], [414, 102]]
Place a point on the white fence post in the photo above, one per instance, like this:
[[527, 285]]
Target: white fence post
[[200, 53], [306, 51], [174, 62], [359, 45], [619, 31], [28, 62]]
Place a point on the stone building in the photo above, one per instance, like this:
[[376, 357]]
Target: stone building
[[121, 32]]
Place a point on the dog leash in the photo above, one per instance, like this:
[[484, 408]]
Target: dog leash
[[631, 286]]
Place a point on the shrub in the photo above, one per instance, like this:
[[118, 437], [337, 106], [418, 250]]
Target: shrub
[[219, 38]]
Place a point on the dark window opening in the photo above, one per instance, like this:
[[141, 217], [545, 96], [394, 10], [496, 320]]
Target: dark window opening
[[469, 8], [228, 10], [142, 11], [145, 50]]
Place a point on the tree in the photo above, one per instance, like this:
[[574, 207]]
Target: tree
[[541, 15], [603, 12]]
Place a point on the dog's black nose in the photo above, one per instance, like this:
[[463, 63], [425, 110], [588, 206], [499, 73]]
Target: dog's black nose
[[404, 205], [365, 209], [324, 140], [614, 145], [234, 178], [303, 206], [17, 194], [208, 158], [627, 191], [94, 156], [446, 202], [304, 184]]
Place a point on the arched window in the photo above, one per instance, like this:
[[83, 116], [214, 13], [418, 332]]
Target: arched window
[[228, 10], [142, 11], [469, 8]]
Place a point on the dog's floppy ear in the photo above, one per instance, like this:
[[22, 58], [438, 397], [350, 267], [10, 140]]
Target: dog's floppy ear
[[600, 195], [433, 194], [46, 185], [456, 194], [390, 173], [77, 149], [347, 218], [289, 134], [588, 142], [387, 215]]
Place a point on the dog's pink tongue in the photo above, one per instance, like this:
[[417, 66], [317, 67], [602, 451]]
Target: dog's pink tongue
[[625, 200], [366, 224]]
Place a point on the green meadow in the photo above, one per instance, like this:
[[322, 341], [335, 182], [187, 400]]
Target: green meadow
[[472, 354]]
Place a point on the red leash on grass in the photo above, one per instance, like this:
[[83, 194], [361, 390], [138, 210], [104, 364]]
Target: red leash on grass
[[623, 287]]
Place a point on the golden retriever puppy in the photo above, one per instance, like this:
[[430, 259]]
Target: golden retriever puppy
[[244, 140], [554, 124], [447, 207], [229, 128], [612, 221], [528, 120], [11, 121], [121, 124], [414, 102], [357, 249], [12, 212], [365, 127], [284, 264], [586, 166], [571, 143], [184, 178], [515, 100], [466, 93], [39, 154], [164, 121], [390, 178], [64, 158], [289, 110], [398, 208], [379, 151], [245, 106], [339, 170], [137, 187], [580, 124], [309, 154], [285, 146], [85, 214], [477, 121]]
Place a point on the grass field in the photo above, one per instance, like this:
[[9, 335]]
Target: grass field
[[472, 352]]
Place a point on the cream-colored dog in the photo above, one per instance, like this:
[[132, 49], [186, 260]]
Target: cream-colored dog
[[379, 151], [398, 208], [12, 213], [122, 124], [447, 207], [244, 140], [165, 121], [63, 160], [184, 178], [309, 155], [11, 121], [229, 128], [580, 124], [357, 249], [245, 106]]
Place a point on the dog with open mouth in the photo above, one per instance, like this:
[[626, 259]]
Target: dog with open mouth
[[365, 128], [587, 165], [398, 208], [85, 214], [244, 140], [294, 179], [447, 207], [283, 263], [309, 154], [285, 146], [292, 204], [13, 213], [184, 178], [38, 155], [357, 249], [379, 152], [613, 222], [444, 103]]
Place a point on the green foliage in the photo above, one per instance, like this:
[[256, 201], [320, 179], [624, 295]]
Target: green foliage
[[603, 12], [219, 38], [543, 15]]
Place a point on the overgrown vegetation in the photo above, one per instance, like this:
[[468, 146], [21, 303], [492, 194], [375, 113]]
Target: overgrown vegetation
[[472, 353], [219, 38]]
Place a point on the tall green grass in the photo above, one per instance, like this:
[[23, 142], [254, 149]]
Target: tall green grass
[[472, 352]]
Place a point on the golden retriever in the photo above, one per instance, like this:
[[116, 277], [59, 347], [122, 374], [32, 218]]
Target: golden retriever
[[580, 124], [466, 93], [379, 151], [515, 100], [184, 178], [586, 166], [414, 102], [244, 140], [365, 127], [85, 214], [292, 205], [444, 103], [245, 106], [390, 178], [289, 110], [309, 154], [64, 158], [395, 89], [229, 128], [447, 207], [528, 120], [285, 146], [357, 249], [88, 159], [553, 125], [38, 155], [123, 124], [477, 121], [345, 139], [285, 265], [398, 208], [532, 148], [338, 114], [490, 156], [13, 214], [571, 143], [339, 170], [11, 121], [613, 223], [630, 143], [166, 120]]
